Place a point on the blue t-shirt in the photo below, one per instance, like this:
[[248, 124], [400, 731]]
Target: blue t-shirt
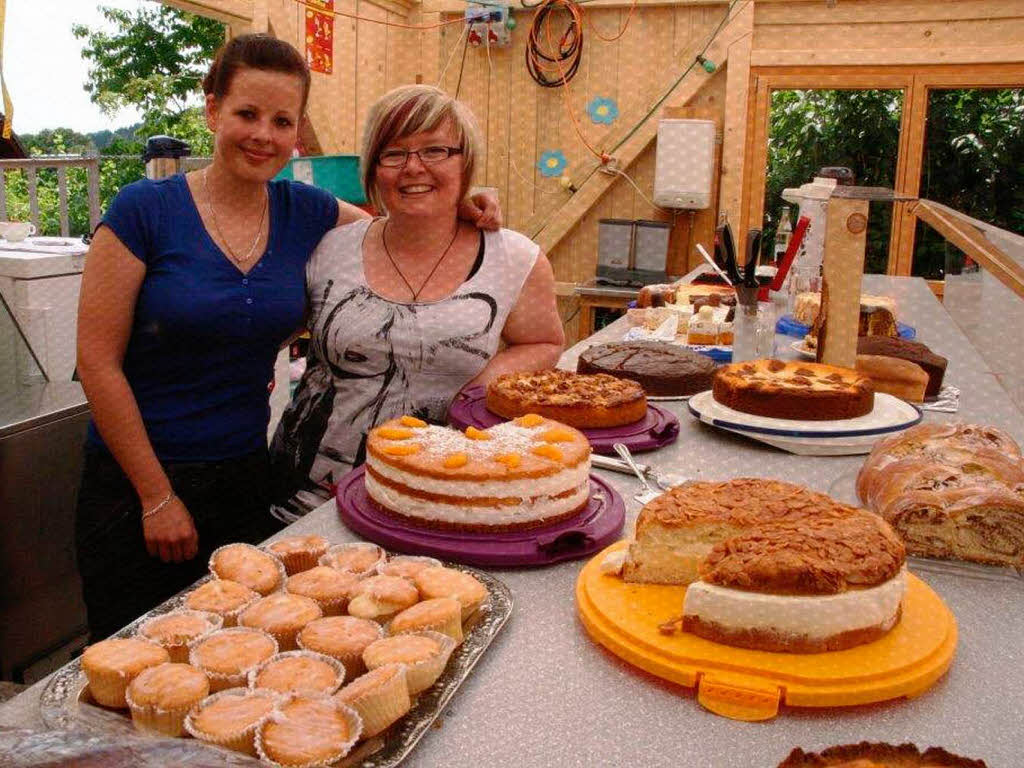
[[205, 336]]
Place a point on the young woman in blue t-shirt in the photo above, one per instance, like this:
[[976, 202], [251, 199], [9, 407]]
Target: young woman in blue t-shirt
[[191, 286]]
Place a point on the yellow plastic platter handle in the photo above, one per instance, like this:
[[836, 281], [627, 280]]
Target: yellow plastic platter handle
[[745, 684]]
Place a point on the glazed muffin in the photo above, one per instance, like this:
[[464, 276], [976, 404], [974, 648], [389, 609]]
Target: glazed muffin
[[230, 718], [175, 630], [343, 638], [329, 587], [299, 553], [307, 731], [440, 614], [301, 672], [448, 582], [249, 566], [281, 615], [224, 597], [360, 557], [381, 697], [407, 566], [425, 655], [228, 655], [160, 697], [381, 597], [110, 665]]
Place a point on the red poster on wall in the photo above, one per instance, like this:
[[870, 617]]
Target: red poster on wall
[[320, 35]]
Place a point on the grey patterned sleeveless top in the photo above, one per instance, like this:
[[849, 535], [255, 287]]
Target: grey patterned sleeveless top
[[372, 359]]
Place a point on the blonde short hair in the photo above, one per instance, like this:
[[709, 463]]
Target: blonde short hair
[[411, 109]]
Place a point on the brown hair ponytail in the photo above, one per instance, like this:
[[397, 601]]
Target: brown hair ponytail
[[256, 51]]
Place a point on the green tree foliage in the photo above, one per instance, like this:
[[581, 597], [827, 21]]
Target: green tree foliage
[[856, 129], [973, 162], [974, 157], [153, 59]]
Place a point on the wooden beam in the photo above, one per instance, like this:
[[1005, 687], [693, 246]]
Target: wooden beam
[[563, 219], [886, 56], [229, 11], [966, 234], [734, 137], [885, 11], [908, 177], [459, 6]]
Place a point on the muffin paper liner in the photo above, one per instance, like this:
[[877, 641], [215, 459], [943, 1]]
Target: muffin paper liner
[[287, 639], [230, 617], [355, 727], [327, 558], [334, 664], [241, 741], [420, 675], [384, 568], [178, 647], [218, 680], [332, 607], [353, 662], [296, 562], [108, 687], [277, 561], [152, 719], [451, 627], [384, 706]]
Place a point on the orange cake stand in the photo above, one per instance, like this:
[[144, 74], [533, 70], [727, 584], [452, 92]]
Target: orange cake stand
[[750, 685]]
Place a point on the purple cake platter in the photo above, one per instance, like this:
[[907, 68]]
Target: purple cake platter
[[656, 429], [598, 525]]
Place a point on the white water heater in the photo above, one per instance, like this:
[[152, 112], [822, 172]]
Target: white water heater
[[683, 163]]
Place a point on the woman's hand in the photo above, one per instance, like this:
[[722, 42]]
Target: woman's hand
[[483, 210], [170, 533]]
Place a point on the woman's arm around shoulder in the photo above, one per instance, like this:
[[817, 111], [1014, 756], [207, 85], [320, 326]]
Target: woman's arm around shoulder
[[347, 213]]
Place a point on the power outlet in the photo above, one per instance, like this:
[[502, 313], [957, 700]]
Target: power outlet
[[488, 24]]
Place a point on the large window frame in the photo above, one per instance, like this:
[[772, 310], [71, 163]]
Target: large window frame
[[915, 82]]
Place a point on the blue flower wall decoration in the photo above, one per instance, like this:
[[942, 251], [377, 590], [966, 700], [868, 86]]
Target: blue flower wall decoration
[[552, 162], [603, 111]]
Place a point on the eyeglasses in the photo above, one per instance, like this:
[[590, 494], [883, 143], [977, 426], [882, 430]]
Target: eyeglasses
[[397, 158]]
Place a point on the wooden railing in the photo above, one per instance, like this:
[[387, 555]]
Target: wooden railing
[[61, 163]]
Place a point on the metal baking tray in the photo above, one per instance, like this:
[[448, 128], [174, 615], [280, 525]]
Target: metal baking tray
[[64, 703]]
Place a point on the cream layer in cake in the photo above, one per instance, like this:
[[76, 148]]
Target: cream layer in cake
[[533, 487], [518, 474], [814, 617], [532, 507]]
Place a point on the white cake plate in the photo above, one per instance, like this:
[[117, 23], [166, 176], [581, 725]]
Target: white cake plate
[[811, 438]]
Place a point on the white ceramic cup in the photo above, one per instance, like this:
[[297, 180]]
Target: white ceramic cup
[[16, 231]]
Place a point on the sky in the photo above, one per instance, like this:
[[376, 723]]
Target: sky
[[44, 69]]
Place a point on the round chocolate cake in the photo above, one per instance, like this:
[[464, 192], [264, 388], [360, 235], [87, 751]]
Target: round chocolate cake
[[663, 370]]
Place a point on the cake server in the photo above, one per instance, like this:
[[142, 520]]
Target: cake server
[[648, 493]]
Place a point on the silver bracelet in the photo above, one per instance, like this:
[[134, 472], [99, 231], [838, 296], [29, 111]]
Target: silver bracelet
[[166, 500]]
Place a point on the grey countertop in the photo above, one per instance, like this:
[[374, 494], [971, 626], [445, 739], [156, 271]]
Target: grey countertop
[[546, 695], [24, 406]]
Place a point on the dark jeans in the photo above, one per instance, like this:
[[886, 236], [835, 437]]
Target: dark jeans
[[229, 501]]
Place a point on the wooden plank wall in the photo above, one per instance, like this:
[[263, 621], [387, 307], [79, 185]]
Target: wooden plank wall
[[518, 119]]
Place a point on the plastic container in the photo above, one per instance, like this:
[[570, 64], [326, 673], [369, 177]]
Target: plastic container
[[744, 684], [338, 174]]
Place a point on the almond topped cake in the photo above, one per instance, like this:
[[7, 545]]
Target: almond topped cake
[[521, 474], [804, 391], [868, 755], [771, 565], [579, 400]]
